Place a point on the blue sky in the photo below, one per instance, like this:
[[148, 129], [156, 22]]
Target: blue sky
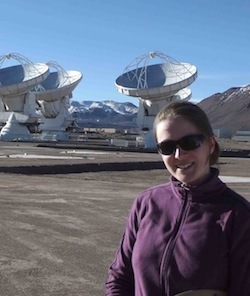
[[100, 38]]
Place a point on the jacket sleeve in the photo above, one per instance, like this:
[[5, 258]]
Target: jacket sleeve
[[239, 257], [120, 275]]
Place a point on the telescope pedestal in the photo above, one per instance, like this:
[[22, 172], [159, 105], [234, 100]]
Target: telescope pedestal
[[146, 116], [56, 119], [15, 130]]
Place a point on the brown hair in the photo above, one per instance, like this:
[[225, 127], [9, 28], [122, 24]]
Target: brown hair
[[193, 114]]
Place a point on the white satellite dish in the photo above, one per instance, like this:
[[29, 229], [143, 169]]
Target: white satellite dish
[[58, 84], [155, 85], [17, 111], [27, 87], [19, 79], [155, 81], [183, 95], [16, 81], [53, 96]]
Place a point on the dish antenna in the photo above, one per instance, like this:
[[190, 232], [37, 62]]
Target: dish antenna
[[155, 85], [15, 83], [52, 96]]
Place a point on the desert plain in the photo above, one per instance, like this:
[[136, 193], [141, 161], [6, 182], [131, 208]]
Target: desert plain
[[63, 210]]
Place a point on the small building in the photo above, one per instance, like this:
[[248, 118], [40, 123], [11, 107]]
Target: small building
[[222, 132], [242, 136], [99, 130]]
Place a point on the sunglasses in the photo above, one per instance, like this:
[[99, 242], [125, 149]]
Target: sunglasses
[[187, 143]]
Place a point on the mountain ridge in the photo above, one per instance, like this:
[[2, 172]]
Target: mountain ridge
[[229, 109], [106, 113]]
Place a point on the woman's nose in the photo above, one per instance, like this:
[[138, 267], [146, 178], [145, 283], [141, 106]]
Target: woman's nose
[[179, 152]]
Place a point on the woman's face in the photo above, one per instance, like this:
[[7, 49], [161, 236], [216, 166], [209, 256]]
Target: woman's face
[[189, 167]]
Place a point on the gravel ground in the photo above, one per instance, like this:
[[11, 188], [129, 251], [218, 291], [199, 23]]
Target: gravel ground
[[62, 213]]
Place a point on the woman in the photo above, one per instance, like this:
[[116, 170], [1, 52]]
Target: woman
[[192, 233]]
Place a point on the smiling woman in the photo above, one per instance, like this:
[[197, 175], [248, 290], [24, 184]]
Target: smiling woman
[[196, 149], [191, 235]]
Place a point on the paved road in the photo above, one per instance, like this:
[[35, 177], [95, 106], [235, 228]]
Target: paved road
[[60, 225]]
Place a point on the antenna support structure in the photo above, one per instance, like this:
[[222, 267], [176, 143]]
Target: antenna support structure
[[33, 100], [155, 85]]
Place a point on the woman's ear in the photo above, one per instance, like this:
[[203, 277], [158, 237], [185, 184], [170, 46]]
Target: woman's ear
[[212, 142]]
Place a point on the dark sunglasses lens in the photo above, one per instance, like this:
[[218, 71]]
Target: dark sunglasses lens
[[166, 147], [191, 142], [186, 143]]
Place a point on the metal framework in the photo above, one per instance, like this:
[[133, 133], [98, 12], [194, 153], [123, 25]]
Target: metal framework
[[20, 58], [137, 69]]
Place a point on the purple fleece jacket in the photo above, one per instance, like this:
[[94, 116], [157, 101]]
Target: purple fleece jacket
[[184, 238]]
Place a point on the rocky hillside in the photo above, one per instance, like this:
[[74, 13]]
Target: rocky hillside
[[230, 109]]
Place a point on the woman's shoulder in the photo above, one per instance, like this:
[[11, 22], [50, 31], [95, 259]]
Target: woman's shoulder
[[238, 200], [153, 197], [156, 188], [155, 192]]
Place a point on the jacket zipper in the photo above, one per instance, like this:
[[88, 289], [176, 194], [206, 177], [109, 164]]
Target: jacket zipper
[[164, 270]]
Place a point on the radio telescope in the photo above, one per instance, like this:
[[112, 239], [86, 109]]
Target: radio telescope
[[15, 83], [52, 96], [155, 85]]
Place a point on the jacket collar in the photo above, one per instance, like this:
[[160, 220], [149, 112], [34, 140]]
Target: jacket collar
[[201, 192]]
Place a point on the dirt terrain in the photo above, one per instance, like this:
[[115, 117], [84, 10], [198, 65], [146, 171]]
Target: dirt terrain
[[62, 213]]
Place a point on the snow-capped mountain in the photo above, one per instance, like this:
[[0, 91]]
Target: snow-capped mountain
[[105, 113], [230, 109], [108, 106]]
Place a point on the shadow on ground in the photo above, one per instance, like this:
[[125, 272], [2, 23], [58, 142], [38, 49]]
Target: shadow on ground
[[82, 168]]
